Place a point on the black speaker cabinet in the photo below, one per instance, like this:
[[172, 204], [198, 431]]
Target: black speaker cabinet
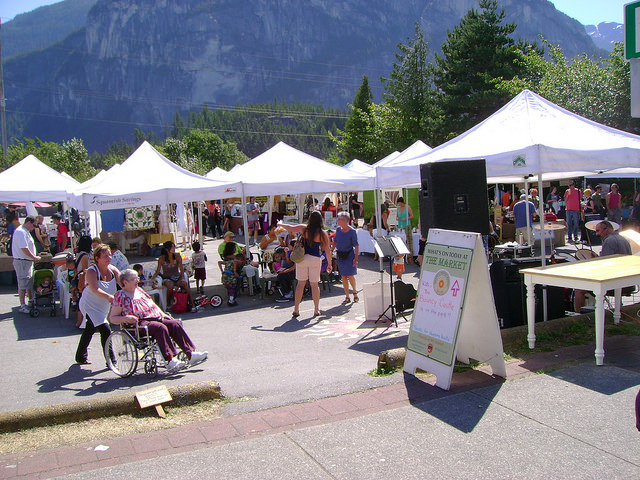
[[454, 196]]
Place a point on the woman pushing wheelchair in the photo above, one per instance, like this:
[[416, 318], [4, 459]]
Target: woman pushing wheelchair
[[133, 306]]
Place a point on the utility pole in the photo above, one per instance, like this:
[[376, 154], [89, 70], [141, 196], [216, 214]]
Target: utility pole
[[3, 118]]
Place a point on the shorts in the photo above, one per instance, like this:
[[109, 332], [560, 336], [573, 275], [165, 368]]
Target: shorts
[[200, 273], [24, 271], [398, 267], [309, 269], [253, 225]]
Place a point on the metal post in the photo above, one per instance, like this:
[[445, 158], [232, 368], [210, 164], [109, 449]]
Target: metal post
[[3, 118], [543, 253]]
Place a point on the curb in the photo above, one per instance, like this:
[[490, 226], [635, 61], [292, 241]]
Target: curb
[[17, 420]]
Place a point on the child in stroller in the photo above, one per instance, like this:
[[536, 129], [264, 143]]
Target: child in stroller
[[42, 279]]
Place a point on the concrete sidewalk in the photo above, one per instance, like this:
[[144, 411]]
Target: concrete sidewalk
[[574, 421]]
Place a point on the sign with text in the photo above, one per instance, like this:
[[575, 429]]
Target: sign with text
[[436, 317], [632, 30]]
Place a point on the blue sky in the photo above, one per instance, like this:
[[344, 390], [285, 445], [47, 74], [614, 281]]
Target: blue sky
[[585, 11]]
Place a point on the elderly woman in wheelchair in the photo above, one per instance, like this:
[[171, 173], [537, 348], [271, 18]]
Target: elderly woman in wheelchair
[[135, 310]]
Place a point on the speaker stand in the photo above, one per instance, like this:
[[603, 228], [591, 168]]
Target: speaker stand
[[392, 306]]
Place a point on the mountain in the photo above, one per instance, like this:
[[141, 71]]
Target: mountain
[[605, 34], [43, 26], [138, 61]]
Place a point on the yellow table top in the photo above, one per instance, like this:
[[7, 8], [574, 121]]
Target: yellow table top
[[599, 269]]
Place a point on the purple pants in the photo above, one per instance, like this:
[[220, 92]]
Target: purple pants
[[163, 330]]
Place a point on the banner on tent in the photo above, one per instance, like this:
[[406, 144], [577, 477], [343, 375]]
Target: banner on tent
[[114, 202]]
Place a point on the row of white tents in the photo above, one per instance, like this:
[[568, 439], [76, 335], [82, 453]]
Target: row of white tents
[[529, 138]]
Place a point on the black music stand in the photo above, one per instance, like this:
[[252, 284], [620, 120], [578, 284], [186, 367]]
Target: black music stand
[[390, 247]]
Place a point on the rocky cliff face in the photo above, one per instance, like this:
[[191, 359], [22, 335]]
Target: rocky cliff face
[[138, 61], [605, 34]]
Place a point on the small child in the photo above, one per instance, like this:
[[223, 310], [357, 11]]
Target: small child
[[72, 279], [398, 265], [229, 268], [143, 281], [199, 259], [45, 287]]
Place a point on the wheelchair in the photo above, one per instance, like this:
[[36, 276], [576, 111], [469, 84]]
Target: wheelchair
[[129, 346]]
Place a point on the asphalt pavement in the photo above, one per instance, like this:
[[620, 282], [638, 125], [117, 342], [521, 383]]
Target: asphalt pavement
[[313, 412]]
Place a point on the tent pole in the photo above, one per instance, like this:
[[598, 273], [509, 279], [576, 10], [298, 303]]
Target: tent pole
[[200, 231], [378, 214], [543, 253], [245, 222], [526, 207]]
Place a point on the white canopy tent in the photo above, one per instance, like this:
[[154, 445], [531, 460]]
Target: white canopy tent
[[358, 166], [216, 174], [31, 180], [146, 178], [284, 169], [527, 137]]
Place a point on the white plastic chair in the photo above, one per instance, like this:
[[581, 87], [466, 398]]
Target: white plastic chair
[[160, 290]]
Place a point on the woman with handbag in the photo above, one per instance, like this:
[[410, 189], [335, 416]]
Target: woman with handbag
[[347, 251], [314, 240]]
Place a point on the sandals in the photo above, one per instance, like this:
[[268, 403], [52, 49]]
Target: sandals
[[355, 298], [346, 301], [318, 313], [295, 314]]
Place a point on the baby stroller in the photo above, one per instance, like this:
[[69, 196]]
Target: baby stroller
[[46, 299]]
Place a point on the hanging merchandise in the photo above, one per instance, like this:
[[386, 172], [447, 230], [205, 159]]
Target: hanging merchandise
[[163, 219], [113, 220], [181, 218], [139, 218]]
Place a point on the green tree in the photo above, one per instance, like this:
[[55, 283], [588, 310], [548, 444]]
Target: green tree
[[70, 157], [598, 89], [478, 53], [352, 142], [409, 90]]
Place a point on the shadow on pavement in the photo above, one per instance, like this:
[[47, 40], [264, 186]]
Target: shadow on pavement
[[291, 325], [606, 379], [44, 326], [86, 382], [462, 414], [379, 338]]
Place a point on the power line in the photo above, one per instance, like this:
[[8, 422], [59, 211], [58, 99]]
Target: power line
[[162, 125]]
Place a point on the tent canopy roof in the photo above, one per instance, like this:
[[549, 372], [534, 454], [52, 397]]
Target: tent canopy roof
[[284, 169], [145, 178], [527, 136], [31, 180]]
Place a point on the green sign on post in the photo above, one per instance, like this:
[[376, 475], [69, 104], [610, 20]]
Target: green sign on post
[[632, 30]]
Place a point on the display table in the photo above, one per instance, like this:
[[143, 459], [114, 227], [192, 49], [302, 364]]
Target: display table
[[598, 275], [159, 238]]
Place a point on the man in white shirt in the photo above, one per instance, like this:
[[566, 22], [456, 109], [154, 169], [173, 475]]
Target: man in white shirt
[[23, 251]]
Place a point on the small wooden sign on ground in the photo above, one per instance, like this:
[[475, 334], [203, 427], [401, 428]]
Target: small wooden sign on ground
[[154, 397]]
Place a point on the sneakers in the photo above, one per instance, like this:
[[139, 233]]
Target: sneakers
[[23, 309], [174, 365], [198, 357], [289, 295]]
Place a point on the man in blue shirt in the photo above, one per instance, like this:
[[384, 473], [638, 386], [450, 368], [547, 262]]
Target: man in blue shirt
[[520, 214]]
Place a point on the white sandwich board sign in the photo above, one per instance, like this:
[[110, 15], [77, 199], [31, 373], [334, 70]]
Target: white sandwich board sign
[[454, 315]]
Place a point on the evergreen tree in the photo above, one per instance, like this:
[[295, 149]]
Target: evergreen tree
[[352, 142], [408, 90], [476, 56]]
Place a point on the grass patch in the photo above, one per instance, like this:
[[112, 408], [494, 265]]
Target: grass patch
[[383, 371], [463, 367], [104, 429], [552, 337]]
